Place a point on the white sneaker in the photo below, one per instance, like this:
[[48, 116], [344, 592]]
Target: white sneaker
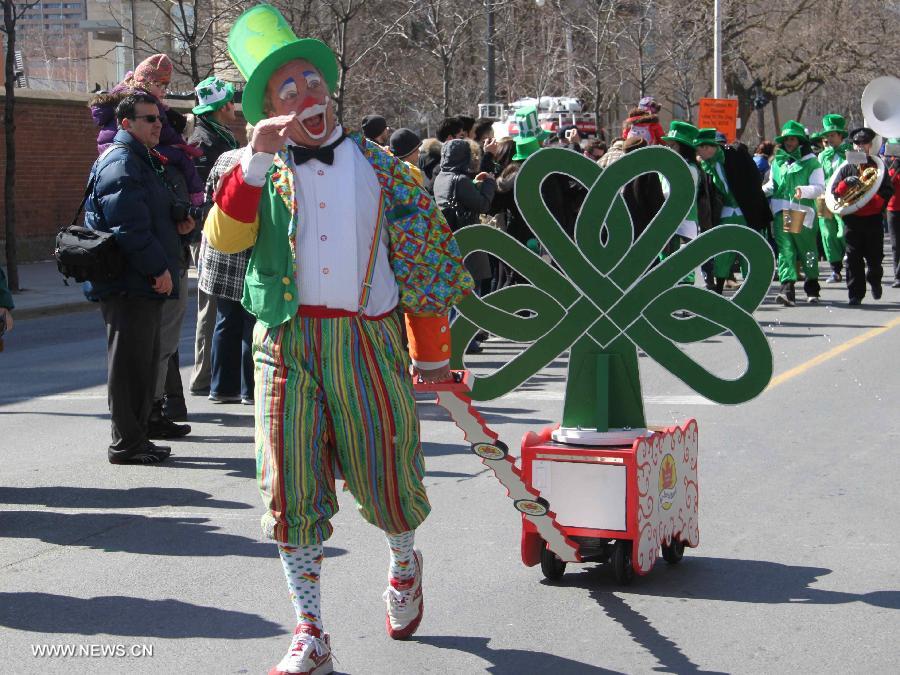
[[404, 604], [309, 654]]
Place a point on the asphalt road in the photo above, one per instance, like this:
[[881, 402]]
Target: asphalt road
[[797, 570]]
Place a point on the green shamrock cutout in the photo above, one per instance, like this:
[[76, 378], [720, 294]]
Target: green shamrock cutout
[[604, 297]]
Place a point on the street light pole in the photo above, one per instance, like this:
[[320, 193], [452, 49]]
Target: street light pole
[[489, 5], [718, 89]]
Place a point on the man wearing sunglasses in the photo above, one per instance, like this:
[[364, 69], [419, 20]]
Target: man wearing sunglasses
[[131, 198]]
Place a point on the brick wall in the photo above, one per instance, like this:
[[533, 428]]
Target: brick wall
[[56, 144]]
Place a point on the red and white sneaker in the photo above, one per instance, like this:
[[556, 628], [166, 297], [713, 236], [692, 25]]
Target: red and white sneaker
[[404, 604], [310, 653]]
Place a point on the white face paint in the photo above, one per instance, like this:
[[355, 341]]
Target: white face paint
[[288, 90], [314, 111]]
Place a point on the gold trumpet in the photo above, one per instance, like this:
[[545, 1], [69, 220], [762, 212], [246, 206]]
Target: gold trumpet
[[867, 180]]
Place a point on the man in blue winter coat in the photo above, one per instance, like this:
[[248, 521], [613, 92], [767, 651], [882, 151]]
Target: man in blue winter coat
[[132, 199]]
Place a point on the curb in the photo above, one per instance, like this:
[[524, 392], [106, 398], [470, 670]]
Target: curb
[[81, 305], [53, 310]]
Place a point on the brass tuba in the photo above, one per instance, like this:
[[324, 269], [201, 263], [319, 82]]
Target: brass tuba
[[868, 179], [881, 110]]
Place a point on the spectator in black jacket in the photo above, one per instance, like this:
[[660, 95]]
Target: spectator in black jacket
[[214, 112], [461, 200], [132, 199]]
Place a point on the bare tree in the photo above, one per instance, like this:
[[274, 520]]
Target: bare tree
[[12, 12]]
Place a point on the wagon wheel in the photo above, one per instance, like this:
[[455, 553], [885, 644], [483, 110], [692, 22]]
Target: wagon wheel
[[551, 566], [673, 552], [621, 560]]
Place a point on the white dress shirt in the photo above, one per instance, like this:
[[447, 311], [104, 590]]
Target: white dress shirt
[[336, 208]]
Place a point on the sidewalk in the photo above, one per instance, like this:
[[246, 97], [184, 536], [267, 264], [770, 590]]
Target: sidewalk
[[44, 292]]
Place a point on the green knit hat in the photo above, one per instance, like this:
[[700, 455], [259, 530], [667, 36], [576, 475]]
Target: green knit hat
[[528, 125], [792, 128], [525, 147], [705, 137], [683, 132], [260, 42], [212, 93], [835, 123]]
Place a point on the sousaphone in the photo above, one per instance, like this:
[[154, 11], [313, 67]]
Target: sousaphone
[[881, 110]]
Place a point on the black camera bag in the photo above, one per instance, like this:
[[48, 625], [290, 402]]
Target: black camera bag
[[85, 254]]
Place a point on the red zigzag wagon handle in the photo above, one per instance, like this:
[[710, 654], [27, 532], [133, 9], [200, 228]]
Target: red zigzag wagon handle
[[494, 454]]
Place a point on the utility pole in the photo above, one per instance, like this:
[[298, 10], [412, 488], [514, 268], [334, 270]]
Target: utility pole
[[489, 6], [718, 88]]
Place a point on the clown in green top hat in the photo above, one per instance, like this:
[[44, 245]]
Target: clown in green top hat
[[682, 132], [260, 42], [795, 129], [212, 94], [344, 241]]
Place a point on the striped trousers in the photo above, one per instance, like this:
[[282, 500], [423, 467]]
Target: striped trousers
[[336, 391]]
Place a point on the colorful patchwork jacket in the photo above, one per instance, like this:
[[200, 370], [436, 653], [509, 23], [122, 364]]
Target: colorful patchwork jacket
[[424, 256]]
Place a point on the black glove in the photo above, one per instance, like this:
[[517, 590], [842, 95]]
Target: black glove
[[851, 181]]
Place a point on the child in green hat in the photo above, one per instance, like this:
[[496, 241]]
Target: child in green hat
[[332, 264], [831, 225]]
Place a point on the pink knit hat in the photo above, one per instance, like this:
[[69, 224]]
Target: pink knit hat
[[156, 68]]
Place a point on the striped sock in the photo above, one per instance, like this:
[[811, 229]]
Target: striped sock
[[302, 566], [402, 567]]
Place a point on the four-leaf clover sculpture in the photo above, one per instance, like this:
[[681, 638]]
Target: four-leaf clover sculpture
[[608, 294]]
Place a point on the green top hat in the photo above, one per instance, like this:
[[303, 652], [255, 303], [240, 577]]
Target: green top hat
[[792, 128], [260, 42], [831, 123], [705, 137], [683, 132], [212, 94], [525, 146], [527, 122]]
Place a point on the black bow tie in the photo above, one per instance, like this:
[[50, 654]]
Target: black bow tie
[[323, 153]]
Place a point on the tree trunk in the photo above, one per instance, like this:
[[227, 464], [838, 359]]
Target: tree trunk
[[9, 130], [775, 116], [445, 94]]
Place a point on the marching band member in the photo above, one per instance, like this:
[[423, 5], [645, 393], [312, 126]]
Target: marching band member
[[795, 182], [863, 233], [831, 226]]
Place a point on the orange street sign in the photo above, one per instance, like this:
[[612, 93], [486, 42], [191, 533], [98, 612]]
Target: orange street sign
[[720, 113]]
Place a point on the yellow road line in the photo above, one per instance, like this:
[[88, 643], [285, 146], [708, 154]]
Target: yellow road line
[[831, 353]]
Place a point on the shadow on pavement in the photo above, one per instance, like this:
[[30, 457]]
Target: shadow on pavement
[[510, 661], [731, 580], [444, 449], [239, 467], [231, 416], [131, 533], [725, 579], [121, 615], [106, 498]]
